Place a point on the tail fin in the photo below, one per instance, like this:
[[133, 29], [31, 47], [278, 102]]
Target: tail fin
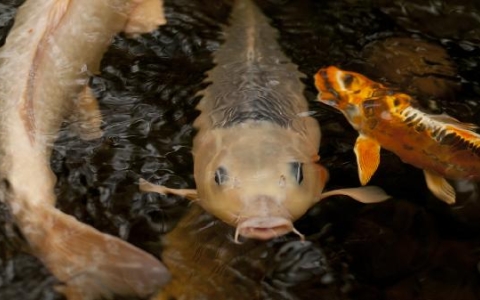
[[91, 264]]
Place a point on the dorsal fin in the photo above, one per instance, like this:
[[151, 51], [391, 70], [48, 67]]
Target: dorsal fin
[[448, 120]]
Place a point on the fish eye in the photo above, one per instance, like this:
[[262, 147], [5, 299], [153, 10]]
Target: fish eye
[[221, 175], [297, 171]]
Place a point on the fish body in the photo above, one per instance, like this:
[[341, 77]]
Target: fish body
[[255, 154], [256, 150], [440, 145], [49, 54]]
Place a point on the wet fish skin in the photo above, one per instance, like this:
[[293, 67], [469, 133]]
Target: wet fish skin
[[49, 54], [255, 154], [440, 145]]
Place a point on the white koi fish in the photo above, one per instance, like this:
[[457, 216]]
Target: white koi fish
[[45, 64]]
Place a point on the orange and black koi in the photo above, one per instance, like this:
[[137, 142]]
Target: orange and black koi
[[439, 144]]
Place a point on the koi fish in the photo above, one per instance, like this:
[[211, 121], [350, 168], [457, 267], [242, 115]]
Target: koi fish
[[45, 64], [255, 153], [439, 144]]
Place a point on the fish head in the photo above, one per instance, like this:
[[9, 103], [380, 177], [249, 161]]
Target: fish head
[[340, 88], [356, 96], [257, 180]]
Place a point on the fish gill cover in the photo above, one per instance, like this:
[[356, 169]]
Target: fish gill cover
[[410, 247]]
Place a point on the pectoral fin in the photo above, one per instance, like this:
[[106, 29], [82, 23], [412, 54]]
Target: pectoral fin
[[367, 194], [367, 151], [87, 118], [146, 16], [440, 187], [146, 186]]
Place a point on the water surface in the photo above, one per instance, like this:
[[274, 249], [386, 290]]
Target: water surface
[[411, 247]]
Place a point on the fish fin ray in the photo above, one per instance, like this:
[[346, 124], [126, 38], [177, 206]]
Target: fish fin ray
[[365, 194], [367, 151], [146, 16], [440, 187], [89, 262], [146, 186], [448, 120]]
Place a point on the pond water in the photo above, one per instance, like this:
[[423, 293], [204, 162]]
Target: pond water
[[410, 247]]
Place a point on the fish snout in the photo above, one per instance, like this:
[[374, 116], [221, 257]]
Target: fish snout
[[326, 91], [321, 80], [264, 228]]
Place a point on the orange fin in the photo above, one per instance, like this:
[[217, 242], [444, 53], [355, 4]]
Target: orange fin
[[440, 187], [87, 118], [444, 118], [367, 151], [146, 186], [146, 16], [366, 194], [90, 264]]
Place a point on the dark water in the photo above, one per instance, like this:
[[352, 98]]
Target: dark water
[[410, 247]]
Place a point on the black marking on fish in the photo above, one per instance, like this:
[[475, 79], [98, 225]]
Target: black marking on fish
[[410, 119], [420, 127], [324, 75], [328, 86], [439, 133], [452, 139], [347, 80], [333, 91], [416, 120]]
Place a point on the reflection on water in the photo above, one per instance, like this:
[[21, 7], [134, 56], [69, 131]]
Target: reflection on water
[[201, 252], [412, 247]]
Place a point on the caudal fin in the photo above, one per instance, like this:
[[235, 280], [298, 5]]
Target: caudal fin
[[91, 264]]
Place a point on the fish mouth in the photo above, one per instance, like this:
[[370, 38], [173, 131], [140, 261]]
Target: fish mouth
[[327, 98], [265, 228], [326, 93], [321, 80]]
